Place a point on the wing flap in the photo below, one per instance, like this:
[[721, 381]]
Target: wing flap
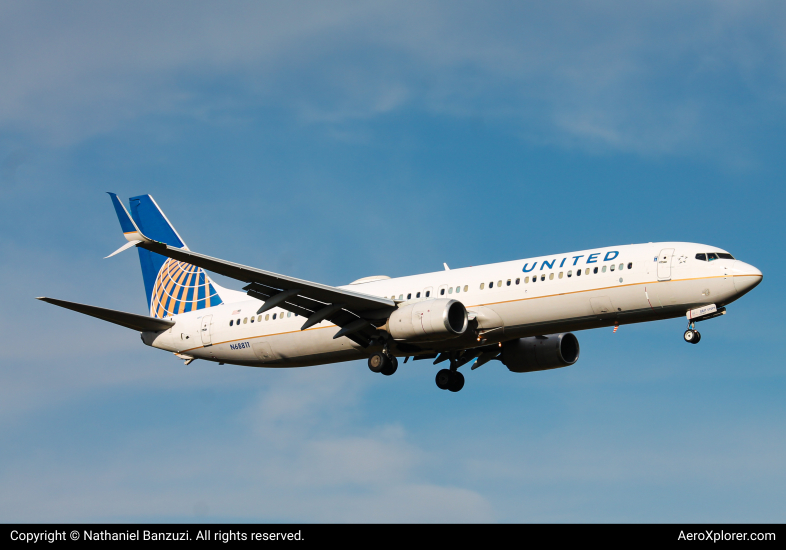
[[142, 323]]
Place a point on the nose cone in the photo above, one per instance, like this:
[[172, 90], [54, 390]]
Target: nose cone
[[745, 277]]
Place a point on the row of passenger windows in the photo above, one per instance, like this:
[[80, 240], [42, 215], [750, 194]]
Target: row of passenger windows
[[710, 256], [236, 322], [458, 289], [587, 271], [427, 293]]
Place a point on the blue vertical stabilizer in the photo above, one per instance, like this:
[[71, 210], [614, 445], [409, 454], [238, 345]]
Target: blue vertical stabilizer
[[171, 287]]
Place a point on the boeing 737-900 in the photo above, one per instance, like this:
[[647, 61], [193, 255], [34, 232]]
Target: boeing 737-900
[[521, 313]]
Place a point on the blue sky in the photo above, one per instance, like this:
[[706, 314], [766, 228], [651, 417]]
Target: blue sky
[[332, 141]]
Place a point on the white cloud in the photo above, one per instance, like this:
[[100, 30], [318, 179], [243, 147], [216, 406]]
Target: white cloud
[[647, 78]]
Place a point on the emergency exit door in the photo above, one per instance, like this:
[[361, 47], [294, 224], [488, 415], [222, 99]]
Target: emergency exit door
[[205, 332], [664, 264]]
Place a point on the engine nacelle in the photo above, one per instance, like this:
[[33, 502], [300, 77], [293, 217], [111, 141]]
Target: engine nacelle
[[541, 352], [428, 321]]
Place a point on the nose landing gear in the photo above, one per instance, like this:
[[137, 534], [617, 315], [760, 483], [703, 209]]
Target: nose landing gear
[[692, 336]]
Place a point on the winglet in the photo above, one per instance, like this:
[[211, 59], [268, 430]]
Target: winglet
[[130, 230]]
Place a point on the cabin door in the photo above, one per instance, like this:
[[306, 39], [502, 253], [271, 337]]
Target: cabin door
[[664, 264]]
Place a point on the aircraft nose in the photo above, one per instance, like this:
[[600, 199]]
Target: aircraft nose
[[745, 276]]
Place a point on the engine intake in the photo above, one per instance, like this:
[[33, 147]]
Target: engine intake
[[427, 321], [541, 352]]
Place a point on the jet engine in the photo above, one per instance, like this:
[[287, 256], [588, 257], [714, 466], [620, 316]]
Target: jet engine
[[540, 352], [428, 321]]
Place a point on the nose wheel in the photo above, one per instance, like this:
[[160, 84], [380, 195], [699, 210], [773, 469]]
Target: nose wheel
[[692, 336]]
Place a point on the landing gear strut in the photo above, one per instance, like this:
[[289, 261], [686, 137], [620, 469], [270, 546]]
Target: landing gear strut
[[450, 379], [692, 335], [381, 362]]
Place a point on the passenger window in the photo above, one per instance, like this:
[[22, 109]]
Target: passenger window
[[595, 270], [237, 322], [621, 266], [417, 295], [482, 286], [543, 277], [231, 323], [508, 282], [630, 265], [289, 314], [458, 289], [252, 319], [701, 256], [491, 284], [466, 288], [534, 278], [450, 290], [612, 267], [518, 281], [245, 320], [711, 256], [442, 292], [259, 319], [267, 317], [560, 274], [603, 269], [586, 271], [570, 273], [400, 296], [428, 293], [499, 283], [526, 280], [578, 273], [409, 296], [551, 276], [274, 316]]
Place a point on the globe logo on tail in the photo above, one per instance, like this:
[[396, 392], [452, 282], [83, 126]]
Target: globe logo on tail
[[179, 288]]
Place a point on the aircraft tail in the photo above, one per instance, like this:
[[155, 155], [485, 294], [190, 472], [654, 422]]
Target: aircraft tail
[[171, 287]]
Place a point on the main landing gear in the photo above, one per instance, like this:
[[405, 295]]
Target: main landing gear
[[692, 336], [450, 379], [382, 362]]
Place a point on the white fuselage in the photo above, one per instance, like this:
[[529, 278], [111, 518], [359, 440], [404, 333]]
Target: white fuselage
[[616, 285]]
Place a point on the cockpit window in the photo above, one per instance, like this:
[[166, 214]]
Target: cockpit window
[[701, 256], [725, 256], [711, 256]]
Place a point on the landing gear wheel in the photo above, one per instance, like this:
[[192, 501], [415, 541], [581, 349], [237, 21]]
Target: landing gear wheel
[[443, 379], [692, 336], [377, 362], [456, 381], [390, 367]]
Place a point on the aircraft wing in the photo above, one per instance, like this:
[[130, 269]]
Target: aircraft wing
[[353, 312], [142, 323], [267, 282]]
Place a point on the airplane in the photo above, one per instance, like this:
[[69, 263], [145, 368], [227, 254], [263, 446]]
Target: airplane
[[522, 313]]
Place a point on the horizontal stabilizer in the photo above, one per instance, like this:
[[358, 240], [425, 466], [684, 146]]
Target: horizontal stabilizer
[[124, 247], [133, 321]]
